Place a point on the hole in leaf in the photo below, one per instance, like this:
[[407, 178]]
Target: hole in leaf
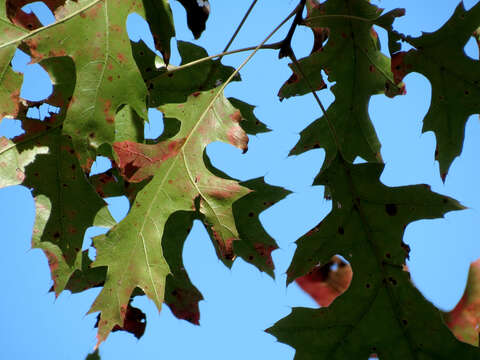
[[327, 82], [100, 165], [87, 244], [138, 29], [19, 61], [36, 84], [471, 49], [118, 206], [154, 128], [359, 160], [42, 112], [41, 11], [11, 128], [382, 36]]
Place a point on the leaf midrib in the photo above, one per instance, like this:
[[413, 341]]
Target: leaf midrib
[[165, 177]]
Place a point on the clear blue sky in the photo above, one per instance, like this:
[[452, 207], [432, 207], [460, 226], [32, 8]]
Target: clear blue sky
[[240, 303]]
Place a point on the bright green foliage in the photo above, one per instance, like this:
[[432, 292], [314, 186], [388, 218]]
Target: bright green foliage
[[455, 80], [366, 226], [103, 84], [132, 250]]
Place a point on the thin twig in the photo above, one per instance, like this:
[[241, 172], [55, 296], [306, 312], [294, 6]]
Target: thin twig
[[317, 99], [274, 46], [286, 48], [240, 26], [258, 47], [237, 70]]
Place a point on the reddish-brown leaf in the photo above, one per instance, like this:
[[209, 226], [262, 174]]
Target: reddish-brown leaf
[[464, 319], [324, 283]]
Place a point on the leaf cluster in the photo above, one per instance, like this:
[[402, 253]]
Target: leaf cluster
[[103, 85]]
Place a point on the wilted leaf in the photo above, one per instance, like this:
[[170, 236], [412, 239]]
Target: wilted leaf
[[464, 319], [324, 283], [455, 80], [381, 312]]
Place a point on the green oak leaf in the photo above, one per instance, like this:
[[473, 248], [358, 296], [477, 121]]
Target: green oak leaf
[[364, 72], [381, 312], [13, 162], [181, 181], [93, 34], [10, 81], [66, 203], [174, 84], [455, 80]]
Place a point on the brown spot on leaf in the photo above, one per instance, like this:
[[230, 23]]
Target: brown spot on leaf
[[265, 252], [391, 209], [121, 57], [237, 137], [236, 116], [225, 247], [137, 161], [293, 79], [226, 192], [57, 53]]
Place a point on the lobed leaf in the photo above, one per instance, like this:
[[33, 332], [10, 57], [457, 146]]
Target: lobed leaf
[[390, 316], [352, 59], [174, 84], [66, 204], [455, 80], [93, 34], [325, 282], [145, 248]]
